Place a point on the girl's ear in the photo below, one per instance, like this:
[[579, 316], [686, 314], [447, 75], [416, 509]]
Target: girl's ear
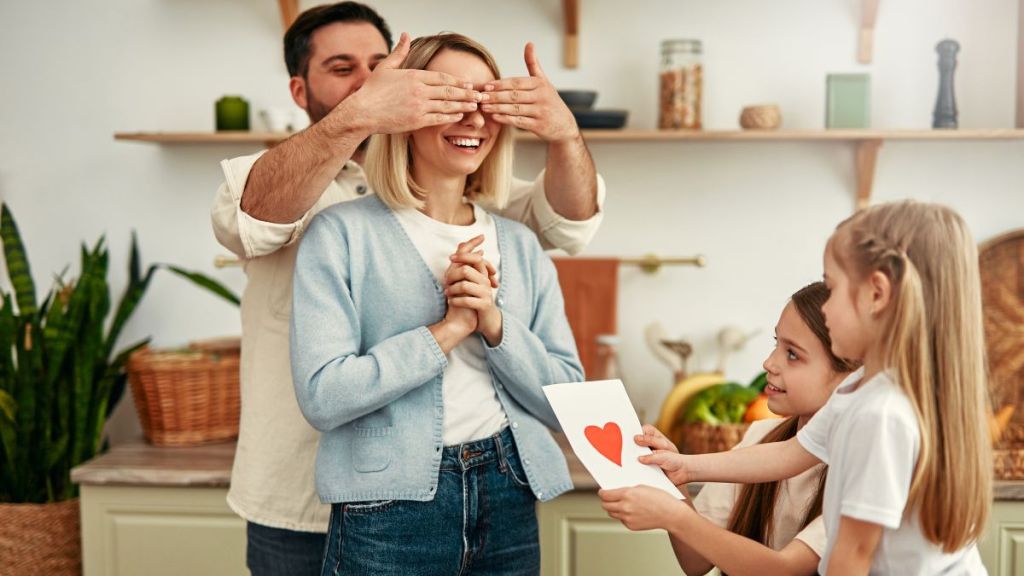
[[879, 292]]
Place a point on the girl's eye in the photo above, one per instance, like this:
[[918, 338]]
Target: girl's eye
[[792, 355]]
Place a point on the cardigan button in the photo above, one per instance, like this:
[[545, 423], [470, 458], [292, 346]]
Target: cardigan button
[[361, 189], [500, 301]]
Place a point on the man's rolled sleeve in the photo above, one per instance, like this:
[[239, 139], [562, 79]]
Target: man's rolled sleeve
[[529, 205], [236, 230]]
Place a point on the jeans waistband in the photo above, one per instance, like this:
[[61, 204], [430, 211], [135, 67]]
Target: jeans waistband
[[478, 452]]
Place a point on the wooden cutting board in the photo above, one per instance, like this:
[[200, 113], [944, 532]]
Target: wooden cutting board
[[1001, 263]]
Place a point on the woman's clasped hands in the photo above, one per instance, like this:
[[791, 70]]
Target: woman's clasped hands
[[469, 285]]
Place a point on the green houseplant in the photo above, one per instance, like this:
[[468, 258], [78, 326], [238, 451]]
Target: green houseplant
[[60, 371]]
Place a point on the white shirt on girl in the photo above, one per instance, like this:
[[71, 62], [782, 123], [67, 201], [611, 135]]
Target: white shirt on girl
[[471, 407], [870, 439]]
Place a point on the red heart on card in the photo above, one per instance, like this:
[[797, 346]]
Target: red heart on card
[[607, 440]]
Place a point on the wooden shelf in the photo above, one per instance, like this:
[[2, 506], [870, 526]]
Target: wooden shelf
[[629, 136], [867, 143]]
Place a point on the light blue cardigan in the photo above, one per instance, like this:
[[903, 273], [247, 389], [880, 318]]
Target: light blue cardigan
[[368, 372]]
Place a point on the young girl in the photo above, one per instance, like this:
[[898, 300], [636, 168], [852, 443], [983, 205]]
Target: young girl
[[426, 381], [910, 471], [770, 528]]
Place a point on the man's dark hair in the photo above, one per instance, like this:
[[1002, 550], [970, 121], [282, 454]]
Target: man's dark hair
[[297, 40]]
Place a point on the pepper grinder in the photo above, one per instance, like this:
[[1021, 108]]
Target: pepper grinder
[[945, 105]]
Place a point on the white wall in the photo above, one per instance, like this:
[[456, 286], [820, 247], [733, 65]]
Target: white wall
[[75, 72]]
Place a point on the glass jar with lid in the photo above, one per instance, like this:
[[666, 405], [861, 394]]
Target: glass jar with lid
[[681, 85]]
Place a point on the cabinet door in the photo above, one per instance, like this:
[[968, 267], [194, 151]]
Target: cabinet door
[[1002, 547], [160, 531], [577, 538]]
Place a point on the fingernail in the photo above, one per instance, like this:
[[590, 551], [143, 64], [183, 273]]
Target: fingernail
[[485, 97], [489, 87]]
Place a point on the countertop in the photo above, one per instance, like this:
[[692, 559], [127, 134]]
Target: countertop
[[141, 464]]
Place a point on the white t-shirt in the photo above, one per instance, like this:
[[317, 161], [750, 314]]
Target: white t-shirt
[[471, 407], [717, 500], [869, 437]]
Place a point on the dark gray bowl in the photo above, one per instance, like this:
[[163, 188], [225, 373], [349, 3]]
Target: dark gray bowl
[[600, 119], [578, 99]]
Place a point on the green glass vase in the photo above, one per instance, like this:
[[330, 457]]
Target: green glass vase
[[232, 113]]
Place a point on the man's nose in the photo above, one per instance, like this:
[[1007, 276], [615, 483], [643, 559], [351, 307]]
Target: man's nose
[[360, 75]]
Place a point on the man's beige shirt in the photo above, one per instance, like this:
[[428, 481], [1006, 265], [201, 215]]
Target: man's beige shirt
[[272, 478]]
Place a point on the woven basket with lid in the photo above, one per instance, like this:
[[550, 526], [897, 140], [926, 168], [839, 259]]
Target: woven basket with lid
[[1002, 282]]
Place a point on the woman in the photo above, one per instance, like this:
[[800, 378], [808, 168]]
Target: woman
[[426, 377]]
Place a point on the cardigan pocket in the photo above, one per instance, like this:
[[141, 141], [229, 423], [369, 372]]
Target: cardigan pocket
[[371, 450]]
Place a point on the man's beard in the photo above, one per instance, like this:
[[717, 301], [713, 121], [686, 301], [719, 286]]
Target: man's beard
[[317, 110]]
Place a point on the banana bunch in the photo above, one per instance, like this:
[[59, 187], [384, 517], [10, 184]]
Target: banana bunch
[[997, 422], [674, 404]]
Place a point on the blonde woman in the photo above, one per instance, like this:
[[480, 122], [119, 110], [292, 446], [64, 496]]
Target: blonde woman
[[426, 376], [909, 487]]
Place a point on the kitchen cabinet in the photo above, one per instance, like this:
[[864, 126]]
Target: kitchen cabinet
[[1002, 547], [160, 531], [577, 538], [162, 511]]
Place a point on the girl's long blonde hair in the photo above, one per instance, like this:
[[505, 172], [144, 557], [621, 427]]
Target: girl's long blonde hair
[[389, 158], [933, 343]]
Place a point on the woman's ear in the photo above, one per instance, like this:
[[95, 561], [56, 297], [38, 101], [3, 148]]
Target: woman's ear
[[879, 289]]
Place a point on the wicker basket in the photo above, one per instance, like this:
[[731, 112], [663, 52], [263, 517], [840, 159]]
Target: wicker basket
[[1001, 263], [187, 397], [761, 117], [701, 438], [40, 538]]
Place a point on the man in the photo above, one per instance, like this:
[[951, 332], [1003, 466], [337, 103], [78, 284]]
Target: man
[[348, 83]]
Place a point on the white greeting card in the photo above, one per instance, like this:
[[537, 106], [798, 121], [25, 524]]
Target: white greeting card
[[599, 421]]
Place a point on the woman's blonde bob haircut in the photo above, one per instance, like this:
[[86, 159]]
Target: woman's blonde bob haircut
[[389, 157]]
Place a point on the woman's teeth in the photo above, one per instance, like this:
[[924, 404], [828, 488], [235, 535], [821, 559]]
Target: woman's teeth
[[465, 142]]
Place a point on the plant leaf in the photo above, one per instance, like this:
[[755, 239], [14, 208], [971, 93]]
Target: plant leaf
[[205, 282], [17, 264]]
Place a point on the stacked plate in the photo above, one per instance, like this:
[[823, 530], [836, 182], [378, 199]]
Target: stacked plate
[[581, 103]]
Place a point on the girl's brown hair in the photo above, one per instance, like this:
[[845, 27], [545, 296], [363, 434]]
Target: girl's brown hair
[[754, 513], [933, 346]]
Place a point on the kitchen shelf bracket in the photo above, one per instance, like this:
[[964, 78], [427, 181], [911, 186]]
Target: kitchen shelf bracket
[[571, 35], [869, 12], [289, 12], [867, 158]]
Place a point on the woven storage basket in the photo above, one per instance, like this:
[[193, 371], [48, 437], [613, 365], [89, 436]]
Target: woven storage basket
[[1002, 283], [40, 539], [187, 397], [701, 438]]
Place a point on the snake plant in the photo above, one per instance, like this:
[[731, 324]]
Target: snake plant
[[60, 374]]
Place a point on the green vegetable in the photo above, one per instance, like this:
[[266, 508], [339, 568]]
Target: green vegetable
[[720, 404], [759, 382]]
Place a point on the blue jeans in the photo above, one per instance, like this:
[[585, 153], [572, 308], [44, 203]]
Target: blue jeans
[[482, 520], [278, 552]]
